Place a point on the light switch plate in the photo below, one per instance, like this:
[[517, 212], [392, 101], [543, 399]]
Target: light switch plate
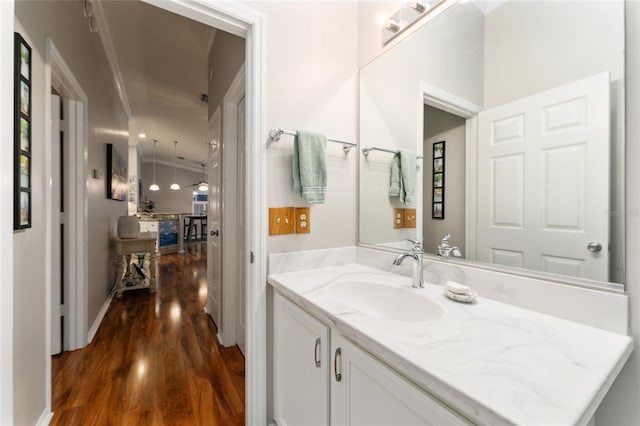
[[398, 219], [409, 218], [303, 220], [281, 220]]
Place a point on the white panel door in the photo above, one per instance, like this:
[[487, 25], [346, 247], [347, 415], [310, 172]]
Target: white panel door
[[56, 230], [214, 256], [300, 366], [242, 261], [543, 181], [366, 392]]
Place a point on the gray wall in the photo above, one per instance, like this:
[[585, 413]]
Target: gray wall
[[443, 126], [167, 200], [65, 23]]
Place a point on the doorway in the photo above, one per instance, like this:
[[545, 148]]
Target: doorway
[[444, 207]]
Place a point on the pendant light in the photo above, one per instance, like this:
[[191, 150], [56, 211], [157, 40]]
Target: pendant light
[[203, 184], [153, 186], [175, 185]]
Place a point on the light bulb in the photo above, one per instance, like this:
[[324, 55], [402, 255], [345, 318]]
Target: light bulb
[[154, 187], [175, 186], [203, 187]]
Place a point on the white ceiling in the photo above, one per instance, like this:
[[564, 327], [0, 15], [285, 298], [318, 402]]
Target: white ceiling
[[163, 61]]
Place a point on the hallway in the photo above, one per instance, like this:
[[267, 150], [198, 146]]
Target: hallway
[[155, 359]]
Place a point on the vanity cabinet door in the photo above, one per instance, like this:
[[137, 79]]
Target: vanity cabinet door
[[300, 366], [365, 391]]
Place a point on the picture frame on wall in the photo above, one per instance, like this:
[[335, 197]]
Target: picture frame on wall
[[438, 172], [117, 187], [22, 134]]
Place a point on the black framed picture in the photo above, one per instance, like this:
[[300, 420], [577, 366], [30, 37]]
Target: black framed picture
[[22, 134], [437, 211], [117, 187]]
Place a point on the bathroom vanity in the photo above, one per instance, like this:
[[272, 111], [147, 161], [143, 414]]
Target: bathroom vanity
[[354, 344]]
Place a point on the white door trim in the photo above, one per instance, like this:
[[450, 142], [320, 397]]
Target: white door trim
[[7, 18], [58, 74], [227, 332], [246, 22], [443, 100], [215, 264]]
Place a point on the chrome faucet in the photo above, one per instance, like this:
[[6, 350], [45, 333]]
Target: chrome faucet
[[416, 255], [446, 250]]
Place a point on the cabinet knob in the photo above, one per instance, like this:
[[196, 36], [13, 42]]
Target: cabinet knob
[[215, 233]]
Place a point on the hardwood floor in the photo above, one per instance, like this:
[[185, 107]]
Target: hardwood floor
[[155, 359]]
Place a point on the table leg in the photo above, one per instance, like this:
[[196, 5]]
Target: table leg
[[119, 275], [152, 280]]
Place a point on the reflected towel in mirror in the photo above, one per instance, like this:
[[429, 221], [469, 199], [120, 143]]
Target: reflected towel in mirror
[[395, 186]]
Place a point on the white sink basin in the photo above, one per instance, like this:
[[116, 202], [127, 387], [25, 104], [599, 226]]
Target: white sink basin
[[384, 301]]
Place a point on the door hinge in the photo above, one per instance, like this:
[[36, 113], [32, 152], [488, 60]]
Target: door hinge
[[252, 257], [63, 217], [63, 310]]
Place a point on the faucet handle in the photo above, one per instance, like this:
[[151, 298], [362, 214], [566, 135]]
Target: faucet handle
[[445, 240], [417, 245]]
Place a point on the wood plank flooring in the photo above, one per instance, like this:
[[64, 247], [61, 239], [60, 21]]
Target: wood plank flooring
[[155, 359]]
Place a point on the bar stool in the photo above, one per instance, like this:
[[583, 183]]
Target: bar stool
[[189, 227], [203, 228]]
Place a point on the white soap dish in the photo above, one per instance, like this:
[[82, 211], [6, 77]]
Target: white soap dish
[[457, 288], [469, 297]]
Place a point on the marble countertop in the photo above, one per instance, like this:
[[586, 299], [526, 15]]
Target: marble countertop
[[493, 362]]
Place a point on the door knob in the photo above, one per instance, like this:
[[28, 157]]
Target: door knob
[[594, 247], [214, 233]]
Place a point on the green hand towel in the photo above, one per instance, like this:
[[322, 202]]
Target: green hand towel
[[408, 170], [395, 186], [310, 167]]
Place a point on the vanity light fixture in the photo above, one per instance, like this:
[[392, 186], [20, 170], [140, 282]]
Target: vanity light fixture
[[175, 185], [153, 186], [417, 6], [142, 135], [410, 13], [392, 25]]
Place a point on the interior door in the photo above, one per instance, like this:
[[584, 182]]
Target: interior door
[[241, 222], [214, 263], [543, 181], [57, 320], [60, 327]]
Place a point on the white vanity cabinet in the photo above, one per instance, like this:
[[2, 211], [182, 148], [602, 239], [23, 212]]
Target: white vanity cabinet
[[300, 366], [364, 391], [317, 383]]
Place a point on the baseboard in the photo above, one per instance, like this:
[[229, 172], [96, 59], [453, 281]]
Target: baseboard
[[45, 418], [103, 311]]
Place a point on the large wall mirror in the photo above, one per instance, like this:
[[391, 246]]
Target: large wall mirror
[[514, 111]]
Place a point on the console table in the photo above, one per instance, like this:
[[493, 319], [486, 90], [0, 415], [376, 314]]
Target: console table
[[145, 243]]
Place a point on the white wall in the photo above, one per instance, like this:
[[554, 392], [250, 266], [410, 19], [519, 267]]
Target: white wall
[[447, 54], [312, 75], [167, 200], [620, 407], [443, 126], [82, 51], [6, 213]]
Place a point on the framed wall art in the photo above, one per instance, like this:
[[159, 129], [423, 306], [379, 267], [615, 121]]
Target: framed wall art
[[437, 211], [117, 187], [22, 134]]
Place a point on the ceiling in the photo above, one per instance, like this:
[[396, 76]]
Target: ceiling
[[163, 60]]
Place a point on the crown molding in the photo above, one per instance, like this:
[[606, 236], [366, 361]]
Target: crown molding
[[109, 50]]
